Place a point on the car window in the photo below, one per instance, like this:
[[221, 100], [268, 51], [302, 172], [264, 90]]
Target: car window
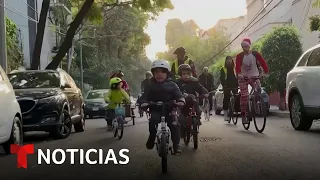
[[304, 59], [314, 59], [96, 95], [31, 79]]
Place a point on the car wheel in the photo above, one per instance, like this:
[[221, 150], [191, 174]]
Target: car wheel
[[298, 117], [80, 126], [216, 110], [16, 136], [63, 131]]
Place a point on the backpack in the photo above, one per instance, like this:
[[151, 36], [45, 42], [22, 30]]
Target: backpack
[[255, 54]]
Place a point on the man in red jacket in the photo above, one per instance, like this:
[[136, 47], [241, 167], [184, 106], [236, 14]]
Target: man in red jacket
[[247, 69], [125, 85]]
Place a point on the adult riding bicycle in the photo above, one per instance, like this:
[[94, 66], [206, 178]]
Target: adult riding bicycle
[[206, 107], [256, 107], [163, 132]]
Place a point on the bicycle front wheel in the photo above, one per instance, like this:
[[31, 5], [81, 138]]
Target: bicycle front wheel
[[120, 127], [164, 153], [261, 118], [195, 132], [250, 115]]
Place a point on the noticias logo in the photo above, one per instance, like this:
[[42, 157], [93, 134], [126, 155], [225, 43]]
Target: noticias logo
[[48, 156]]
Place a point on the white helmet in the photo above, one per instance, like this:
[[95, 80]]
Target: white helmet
[[160, 63]]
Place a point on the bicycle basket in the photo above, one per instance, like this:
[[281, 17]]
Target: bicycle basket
[[120, 111]]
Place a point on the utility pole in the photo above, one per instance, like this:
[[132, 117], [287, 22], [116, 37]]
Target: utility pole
[[81, 65], [3, 44]]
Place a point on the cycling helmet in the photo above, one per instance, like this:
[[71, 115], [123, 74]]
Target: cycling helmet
[[183, 67], [160, 63], [148, 73], [180, 50], [114, 82]]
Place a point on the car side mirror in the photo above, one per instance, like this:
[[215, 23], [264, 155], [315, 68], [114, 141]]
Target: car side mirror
[[66, 85]]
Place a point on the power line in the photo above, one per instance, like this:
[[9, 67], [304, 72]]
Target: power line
[[29, 6], [245, 29], [305, 16], [18, 13]]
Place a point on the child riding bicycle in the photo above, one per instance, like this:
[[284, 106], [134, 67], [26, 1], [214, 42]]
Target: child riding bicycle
[[115, 96], [190, 86], [162, 88], [229, 83], [247, 69]]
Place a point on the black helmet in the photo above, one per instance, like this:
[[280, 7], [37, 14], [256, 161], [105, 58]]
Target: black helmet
[[183, 67], [180, 50]]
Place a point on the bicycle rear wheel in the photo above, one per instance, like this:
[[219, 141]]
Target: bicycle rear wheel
[[115, 129], [262, 113], [120, 127], [164, 153], [195, 132]]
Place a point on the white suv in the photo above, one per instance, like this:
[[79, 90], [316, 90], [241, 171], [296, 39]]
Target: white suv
[[303, 90], [10, 115]]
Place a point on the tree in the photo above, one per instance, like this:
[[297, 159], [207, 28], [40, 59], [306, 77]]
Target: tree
[[14, 51], [281, 57], [40, 32], [314, 21], [141, 5]]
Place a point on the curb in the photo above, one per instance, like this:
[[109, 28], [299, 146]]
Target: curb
[[280, 114]]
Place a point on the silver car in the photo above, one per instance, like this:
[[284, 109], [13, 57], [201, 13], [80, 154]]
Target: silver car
[[218, 99]]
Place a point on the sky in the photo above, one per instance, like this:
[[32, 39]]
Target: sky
[[206, 13]]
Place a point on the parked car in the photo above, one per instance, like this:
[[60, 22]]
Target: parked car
[[303, 89], [50, 101], [218, 99], [10, 118], [95, 104]]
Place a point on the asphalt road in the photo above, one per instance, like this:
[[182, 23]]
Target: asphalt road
[[230, 152]]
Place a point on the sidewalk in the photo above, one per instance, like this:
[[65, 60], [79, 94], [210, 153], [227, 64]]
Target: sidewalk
[[274, 111]]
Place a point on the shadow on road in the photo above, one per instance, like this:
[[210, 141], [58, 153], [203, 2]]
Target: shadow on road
[[253, 134], [231, 125]]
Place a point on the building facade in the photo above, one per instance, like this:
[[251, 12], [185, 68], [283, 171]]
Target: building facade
[[26, 13], [281, 12], [232, 27]]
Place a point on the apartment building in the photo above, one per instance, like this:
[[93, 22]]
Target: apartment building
[[281, 12], [26, 13]]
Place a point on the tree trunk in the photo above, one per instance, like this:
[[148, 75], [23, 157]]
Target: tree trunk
[[67, 43], [40, 32], [282, 103]]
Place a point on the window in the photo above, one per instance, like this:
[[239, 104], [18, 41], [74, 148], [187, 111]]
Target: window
[[304, 59], [314, 59]]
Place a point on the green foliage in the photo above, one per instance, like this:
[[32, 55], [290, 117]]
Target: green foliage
[[200, 44], [14, 52], [314, 23], [279, 56], [316, 4]]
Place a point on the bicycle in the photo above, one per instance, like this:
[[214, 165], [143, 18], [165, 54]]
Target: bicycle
[[232, 112], [206, 107], [192, 127], [118, 121], [256, 106], [163, 133]]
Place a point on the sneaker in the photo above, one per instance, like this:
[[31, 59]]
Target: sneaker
[[226, 117], [150, 142], [109, 128], [245, 120]]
